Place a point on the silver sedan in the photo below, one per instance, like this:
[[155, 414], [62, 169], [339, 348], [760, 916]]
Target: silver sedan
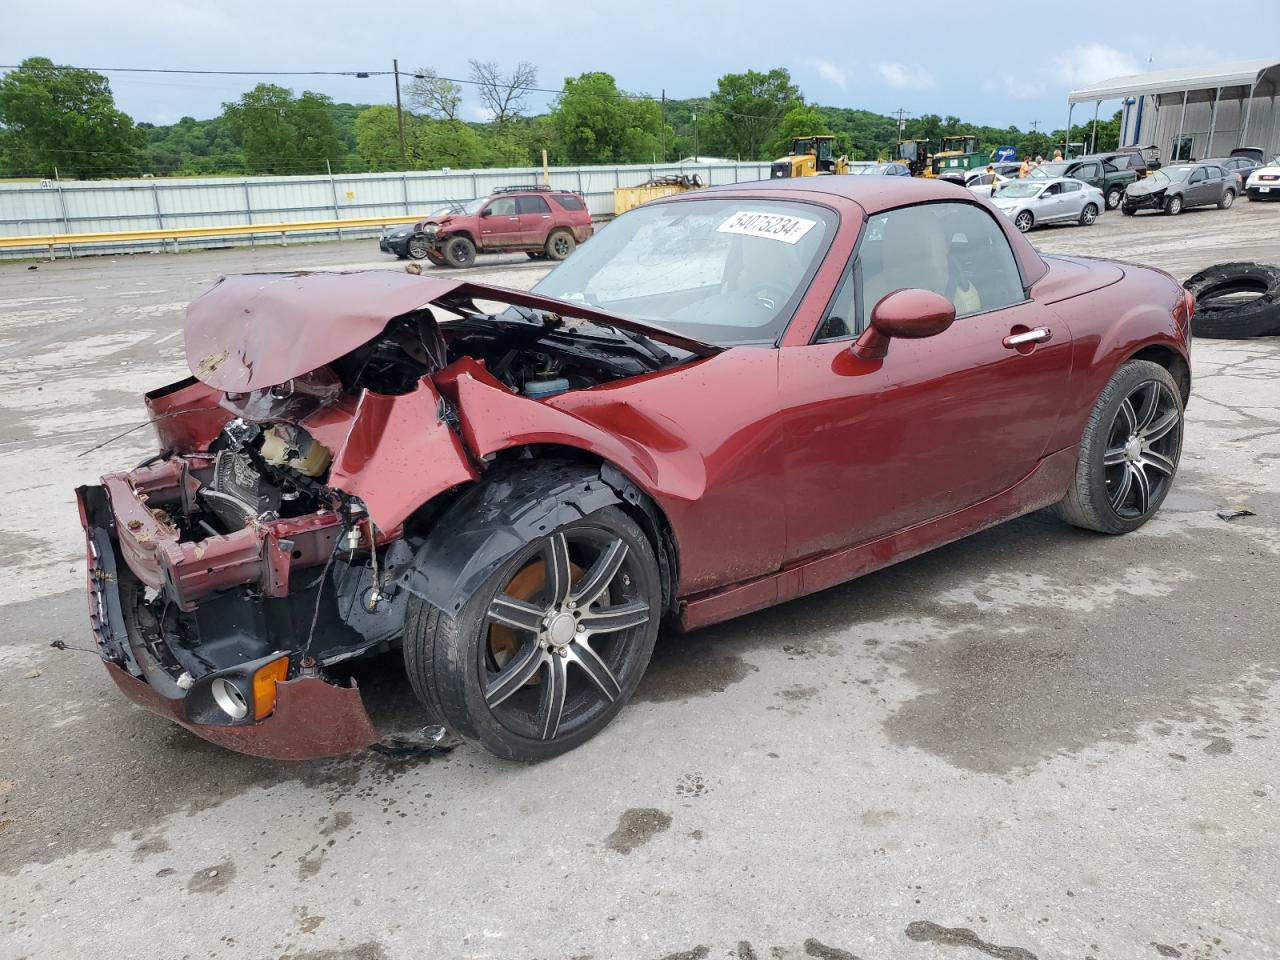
[[1031, 202]]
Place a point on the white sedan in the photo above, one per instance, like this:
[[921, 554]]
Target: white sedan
[[1029, 203], [1264, 182], [984, 184]]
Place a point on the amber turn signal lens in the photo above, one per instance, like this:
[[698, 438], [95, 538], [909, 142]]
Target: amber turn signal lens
[[264, 686]]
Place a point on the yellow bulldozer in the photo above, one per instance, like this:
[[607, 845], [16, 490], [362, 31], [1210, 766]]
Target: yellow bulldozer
[[809, 157]]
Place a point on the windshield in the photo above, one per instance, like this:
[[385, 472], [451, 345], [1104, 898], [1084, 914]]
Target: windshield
[[1049, 170], [1018, 189], [1171, 174], [722, 271]]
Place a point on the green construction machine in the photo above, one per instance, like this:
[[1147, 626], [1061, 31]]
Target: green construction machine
[[959, 152]]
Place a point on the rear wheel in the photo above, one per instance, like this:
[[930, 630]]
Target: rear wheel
[[417, 248], [560, 244], [1173, 206], [1024, 221], [545, 653], [1114, 196], [1129, 451], [459, 252], [1227, 200], [1089, 214]]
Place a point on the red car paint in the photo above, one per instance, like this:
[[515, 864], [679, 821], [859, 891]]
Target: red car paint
[[779, 471]]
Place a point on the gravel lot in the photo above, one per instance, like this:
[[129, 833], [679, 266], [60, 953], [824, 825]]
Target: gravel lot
[[1064, 744]]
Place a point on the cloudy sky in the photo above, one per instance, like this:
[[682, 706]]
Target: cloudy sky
[[988, 63]]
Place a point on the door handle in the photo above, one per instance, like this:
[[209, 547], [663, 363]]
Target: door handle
[[1038, 335]]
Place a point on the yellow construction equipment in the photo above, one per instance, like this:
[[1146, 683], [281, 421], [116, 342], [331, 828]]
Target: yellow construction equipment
[[628, 198], [810, 156]]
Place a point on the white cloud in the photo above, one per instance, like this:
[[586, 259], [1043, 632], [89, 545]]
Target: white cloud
[[483, 114], [830, 72], [1092, 62], [1013, 87], [904, 76]]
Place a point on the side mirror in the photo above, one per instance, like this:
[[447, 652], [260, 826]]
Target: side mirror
[[486, 212], [904, 314]]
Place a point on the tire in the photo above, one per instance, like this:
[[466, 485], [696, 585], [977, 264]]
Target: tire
[[1106, 493], [536, 254], [1088, 215], [437, 258], [1227, 200], [454, 665], [417, 248], [459, 252], [1173, 206], [1114, 197], [1024, 221], [1128, 211], [560, 244], [1221, 314]]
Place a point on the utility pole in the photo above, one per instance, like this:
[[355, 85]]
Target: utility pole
[[901, 114], [664, 125], [404, 160], [1035, 125], [695, 136]]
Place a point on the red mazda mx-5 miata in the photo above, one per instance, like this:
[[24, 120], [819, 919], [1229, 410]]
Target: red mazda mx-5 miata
[[725, 400]]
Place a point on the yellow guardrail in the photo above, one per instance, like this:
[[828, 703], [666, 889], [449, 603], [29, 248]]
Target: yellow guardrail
[[52, 240]]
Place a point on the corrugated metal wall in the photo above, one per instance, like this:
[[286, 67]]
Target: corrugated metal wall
[[112, 205], [1162, 116]]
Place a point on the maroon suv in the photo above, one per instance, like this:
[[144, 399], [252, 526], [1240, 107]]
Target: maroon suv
[[544, 223]]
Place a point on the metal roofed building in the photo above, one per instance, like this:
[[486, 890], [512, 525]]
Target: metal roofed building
[[1194, 112]]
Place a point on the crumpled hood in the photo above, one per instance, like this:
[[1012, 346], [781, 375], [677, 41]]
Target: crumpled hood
[[250, 331], [1145, 186]]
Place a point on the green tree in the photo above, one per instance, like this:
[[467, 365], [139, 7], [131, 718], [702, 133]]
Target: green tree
[[745, 112], [800, 121], [281, 134], [429, 144], [435, 95], [64, 118], [595, 122]]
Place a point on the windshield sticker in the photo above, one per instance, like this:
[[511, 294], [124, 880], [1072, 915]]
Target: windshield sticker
[[770, 226]]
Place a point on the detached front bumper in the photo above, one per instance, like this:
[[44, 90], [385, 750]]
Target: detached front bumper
[[288, 713]]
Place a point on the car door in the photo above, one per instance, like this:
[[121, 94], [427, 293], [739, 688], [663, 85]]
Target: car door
[[1091, 173], [1199, 187], [940, 423], [500, 223], [535, 220], [1073, 198], [1051, 204]]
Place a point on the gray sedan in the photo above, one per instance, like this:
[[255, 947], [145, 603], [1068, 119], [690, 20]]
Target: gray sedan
[[1176, 186], [1031, 202]]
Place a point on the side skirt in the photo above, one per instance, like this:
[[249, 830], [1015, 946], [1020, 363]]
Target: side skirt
[[1045, 485]]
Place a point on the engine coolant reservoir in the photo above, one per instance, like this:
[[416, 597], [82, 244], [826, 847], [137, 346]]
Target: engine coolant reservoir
[[539, 389]]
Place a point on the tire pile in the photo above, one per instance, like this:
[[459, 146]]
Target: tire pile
[[1236, 301]]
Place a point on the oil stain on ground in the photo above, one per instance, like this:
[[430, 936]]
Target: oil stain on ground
[[371, 950], [924, 931], [214, 879], [637, 827], [694, 666]]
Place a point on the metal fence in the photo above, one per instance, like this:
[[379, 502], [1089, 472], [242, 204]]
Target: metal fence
[[30, 209]]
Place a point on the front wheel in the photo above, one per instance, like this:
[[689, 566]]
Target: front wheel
[[546, 652], [1227, 200], [1173, 206], [1088, 215], [1114, 196], [1128, 453], [459, 252], [1128, 211], [1024, 221]]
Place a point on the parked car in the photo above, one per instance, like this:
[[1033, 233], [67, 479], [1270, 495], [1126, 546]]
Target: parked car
[[891, 169], [665, 428], [1128, 158], [544, 223], [1264, 183], [1033, 201], [1176, 186], [1241, 166], [983, 183], [1094, 171]]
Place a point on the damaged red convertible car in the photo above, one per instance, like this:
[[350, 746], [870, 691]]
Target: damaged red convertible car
[[725, 400]]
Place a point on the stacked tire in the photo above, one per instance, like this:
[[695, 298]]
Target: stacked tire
[[1236, 301]]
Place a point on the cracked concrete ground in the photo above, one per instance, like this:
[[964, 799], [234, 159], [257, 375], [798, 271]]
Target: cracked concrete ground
[[1035, 743]]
